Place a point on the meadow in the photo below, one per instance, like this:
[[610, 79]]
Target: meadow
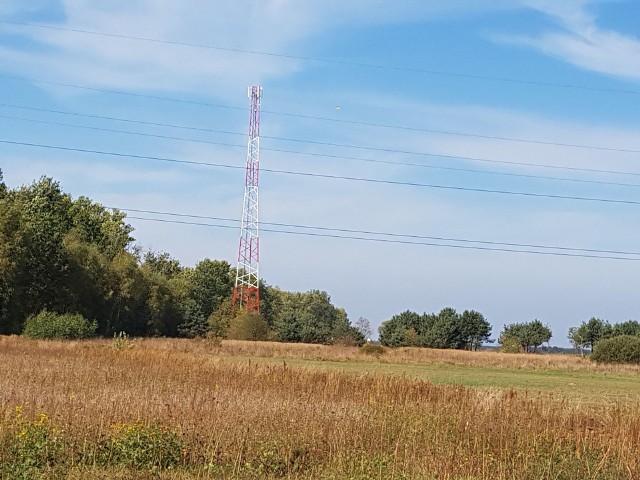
[[196, 409]]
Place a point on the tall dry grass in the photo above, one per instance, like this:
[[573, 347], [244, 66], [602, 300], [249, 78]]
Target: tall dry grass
[[485, 358], [255, 420]]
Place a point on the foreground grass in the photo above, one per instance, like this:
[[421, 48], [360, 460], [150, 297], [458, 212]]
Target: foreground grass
[[180, 410]]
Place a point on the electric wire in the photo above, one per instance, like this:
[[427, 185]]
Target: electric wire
[[325, 155], [394, 241], [373, 232], [314, 142], [342, 145], [327, 60], [342, 121], [328, 176]]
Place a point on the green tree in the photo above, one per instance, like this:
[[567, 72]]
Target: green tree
[[447, 329], [477, 329], [128, 309], [163, 264], [630, 327], [308, 317], [193, 323], [209, 283], [529, 335], [62, 255], [270, 301], [577, 339], [218, 321], [538, 333], [248, 326], [3, 187], [101, 227], [593, 331], [33, 223], [393, 332], [343, 332]]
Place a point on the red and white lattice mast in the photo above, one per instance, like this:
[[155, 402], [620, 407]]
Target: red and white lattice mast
[[246, 294]]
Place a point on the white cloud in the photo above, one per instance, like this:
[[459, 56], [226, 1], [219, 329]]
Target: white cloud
[[11, 7], [581, 42], [277, 26]]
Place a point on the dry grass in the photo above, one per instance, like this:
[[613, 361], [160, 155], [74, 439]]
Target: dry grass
[[423, 356], [269, 420]]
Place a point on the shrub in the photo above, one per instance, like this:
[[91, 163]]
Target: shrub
[[509, 345], [194, 322], [139, 446], [121, 341], [372, 349], [49, 325], [621, 349], [31, 446], [248, 326]]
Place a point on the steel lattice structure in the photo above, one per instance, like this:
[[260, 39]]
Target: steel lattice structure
[[246, 293]]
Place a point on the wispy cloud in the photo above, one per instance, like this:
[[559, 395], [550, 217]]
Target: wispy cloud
[[277, 26], [580, 41]]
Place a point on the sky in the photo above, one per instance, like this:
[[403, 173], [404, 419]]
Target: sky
[[471, 135]]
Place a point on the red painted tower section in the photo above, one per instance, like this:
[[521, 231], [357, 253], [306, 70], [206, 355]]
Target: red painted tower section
[[246, 293]]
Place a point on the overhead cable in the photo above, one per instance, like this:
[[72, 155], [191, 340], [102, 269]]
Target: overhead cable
[[327, 60], [328, 176], [325, 155], [395, 241], [373, 232], [342, 121]]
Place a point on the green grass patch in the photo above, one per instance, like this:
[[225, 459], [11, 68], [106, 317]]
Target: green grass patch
[[578, 386]]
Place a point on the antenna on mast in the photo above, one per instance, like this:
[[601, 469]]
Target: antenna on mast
[[246, 293]]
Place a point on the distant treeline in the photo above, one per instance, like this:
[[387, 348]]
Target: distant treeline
[[447, 329], [65, 255], [588, 334]]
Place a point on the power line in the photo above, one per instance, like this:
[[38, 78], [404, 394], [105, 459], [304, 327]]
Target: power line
[[314, 154], [341, 121], [313, 142], [394, 241], [371, 232], [121, 92], [120, 119], [328, 176], [328, 60]]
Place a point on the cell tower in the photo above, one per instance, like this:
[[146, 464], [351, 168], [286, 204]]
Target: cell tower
[[246, 293]]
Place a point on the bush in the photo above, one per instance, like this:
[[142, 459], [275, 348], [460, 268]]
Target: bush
[[121, 341], [248, 326], [509, 345], [54, 326], [372, 349], [139, 446], [30, 447], [621, 349]]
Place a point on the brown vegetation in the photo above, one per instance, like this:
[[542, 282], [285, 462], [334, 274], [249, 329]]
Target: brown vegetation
[[255, 420]]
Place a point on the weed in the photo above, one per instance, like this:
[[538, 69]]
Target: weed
[[121, 341], [144, 447], [31, 446]]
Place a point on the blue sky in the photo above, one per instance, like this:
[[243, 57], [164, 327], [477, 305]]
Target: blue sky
[[449, 82]]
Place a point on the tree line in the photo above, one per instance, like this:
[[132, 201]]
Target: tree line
[[446, 329], [591, 332], [74, 256], [524, 337]]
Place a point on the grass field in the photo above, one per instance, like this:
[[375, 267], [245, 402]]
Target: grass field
[[190, 409]]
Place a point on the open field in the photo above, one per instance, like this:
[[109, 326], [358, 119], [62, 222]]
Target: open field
[[179, 409]]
